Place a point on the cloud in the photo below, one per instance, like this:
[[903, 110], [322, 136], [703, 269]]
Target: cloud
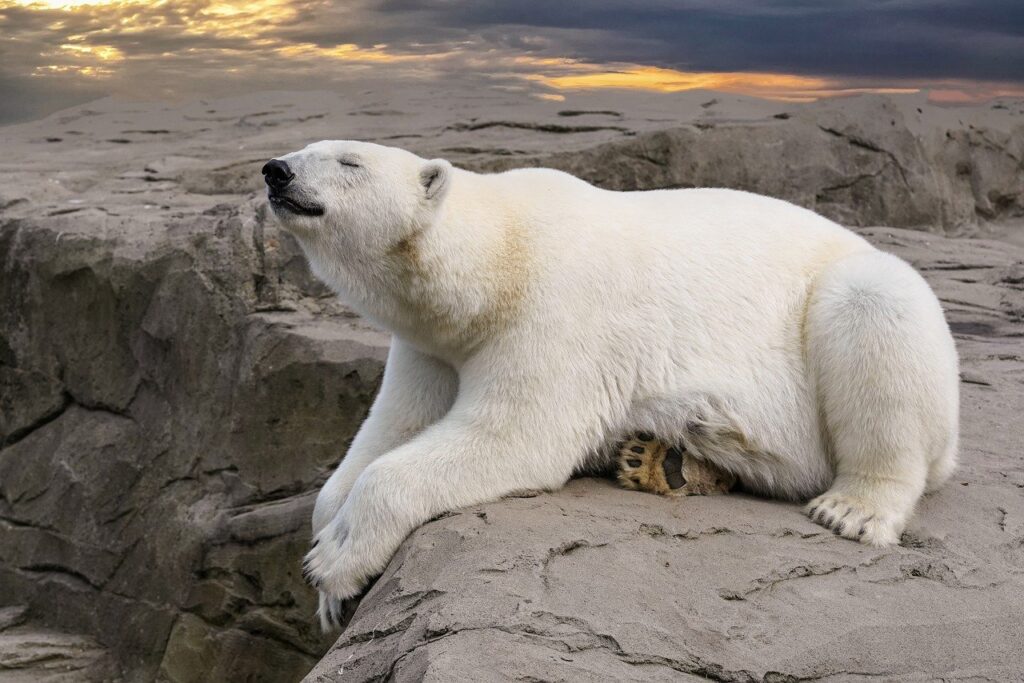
[[58, 52], [952, 39]]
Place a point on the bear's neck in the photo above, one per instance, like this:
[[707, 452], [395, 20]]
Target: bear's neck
[[449, 286]]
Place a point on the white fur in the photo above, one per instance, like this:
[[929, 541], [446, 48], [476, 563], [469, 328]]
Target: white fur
[[537, 319]]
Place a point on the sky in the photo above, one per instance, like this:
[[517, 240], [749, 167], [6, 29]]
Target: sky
[[55, 54]]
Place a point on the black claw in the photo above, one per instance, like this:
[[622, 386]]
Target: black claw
[[315, 542], [863, 530], [813, 513], [645, 436], [637, 449], [307, 574], [634, 463]]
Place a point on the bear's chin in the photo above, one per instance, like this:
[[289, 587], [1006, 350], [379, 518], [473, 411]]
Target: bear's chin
[[285, 205]]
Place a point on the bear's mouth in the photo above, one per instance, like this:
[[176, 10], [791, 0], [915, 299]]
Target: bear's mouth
[[282, 203]]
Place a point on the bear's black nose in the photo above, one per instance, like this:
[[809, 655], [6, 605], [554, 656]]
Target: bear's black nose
[[277, 174]]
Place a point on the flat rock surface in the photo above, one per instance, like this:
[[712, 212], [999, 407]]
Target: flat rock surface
[[175, 387], [868, 160]]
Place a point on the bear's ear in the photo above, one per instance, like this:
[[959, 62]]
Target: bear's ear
[[434, 177]]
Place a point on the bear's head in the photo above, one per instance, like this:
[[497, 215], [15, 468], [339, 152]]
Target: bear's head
[[355, 199]]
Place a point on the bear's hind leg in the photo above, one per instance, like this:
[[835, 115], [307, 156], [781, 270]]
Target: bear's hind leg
[[887, 382]]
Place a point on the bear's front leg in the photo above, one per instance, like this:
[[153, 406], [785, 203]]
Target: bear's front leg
[[460, 461], [416, 392]]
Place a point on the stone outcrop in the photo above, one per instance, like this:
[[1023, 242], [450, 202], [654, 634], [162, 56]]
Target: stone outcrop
[[870, 164], [173, 399]]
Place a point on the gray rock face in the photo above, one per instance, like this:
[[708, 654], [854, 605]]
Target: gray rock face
[[872, 166], [173, 400], [595, 583], [175, 387]]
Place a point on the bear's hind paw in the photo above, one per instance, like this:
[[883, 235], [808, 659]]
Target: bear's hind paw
[[648, 464]]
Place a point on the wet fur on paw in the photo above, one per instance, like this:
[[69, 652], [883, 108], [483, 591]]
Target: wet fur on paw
[[649, 464]]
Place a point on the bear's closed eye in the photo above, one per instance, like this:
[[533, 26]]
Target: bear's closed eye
[[348, 162]]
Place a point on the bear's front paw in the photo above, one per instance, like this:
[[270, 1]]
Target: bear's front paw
[[357, 544], [648, 464], [330, 565]]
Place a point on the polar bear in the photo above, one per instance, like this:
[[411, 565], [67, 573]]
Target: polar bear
[[538, 320]]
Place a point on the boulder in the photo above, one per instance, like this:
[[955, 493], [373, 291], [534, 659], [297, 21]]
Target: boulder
[[870, 162], [173, 399]]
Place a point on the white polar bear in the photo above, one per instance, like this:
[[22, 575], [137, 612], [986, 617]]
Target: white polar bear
[[538, 319]]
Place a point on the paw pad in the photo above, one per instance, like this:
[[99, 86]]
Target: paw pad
[[648, 464]]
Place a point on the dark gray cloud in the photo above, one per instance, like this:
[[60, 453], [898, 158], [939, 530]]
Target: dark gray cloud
[[185, 47], [961, 39]]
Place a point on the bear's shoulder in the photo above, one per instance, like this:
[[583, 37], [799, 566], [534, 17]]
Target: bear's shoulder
[[539, 177]]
